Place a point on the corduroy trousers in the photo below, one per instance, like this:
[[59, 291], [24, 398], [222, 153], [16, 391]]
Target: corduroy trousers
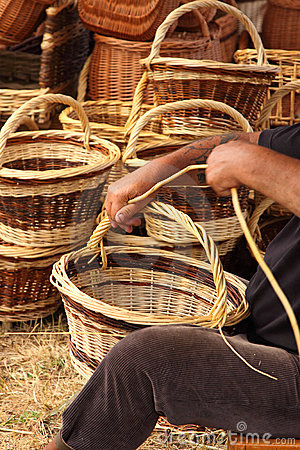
[[189, 375]]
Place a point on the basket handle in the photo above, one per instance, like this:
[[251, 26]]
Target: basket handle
[[256, 215], [83, 80], [177, 13], [202, 21], [16, 118], [274, 99], [129, 152]]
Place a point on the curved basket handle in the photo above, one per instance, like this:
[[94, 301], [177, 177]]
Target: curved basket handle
[[16, 118], [83, 80], [274, 99], [174, 15], [256, 215], [183, 104]]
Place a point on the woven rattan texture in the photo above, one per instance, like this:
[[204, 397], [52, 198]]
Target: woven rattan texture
[[108, 82], [269, 227], [285, 112], [228, 32], [19, 67], [19, 19], [254, 10], [126, 19], [281, 26]]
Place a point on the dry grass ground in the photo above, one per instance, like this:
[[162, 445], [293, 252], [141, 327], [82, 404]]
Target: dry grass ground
[[37, 380]]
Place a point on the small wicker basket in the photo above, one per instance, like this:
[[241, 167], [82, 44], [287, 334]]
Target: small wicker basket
[[129, 287], [242, 87], [19, 19], [51, 181], [126, 19], [201, 203]]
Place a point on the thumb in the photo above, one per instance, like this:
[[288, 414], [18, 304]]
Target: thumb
[[125, 215]]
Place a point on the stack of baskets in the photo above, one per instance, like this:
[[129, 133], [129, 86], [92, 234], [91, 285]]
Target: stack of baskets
[[50, 184], [50, 60]]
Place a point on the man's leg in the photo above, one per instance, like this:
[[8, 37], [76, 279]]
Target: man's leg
[[189, 375]]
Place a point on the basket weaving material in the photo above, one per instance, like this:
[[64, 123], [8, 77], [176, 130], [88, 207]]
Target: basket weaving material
[[242, 87], [25, 75], [127, 19], [229, 32], [280, 28], [19, 19], [51, 181], [107, 82], [201, 203], [140, 286], [254, 9]]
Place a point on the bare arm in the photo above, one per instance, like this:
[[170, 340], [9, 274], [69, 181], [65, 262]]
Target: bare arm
[[144, 178], [271, 173]]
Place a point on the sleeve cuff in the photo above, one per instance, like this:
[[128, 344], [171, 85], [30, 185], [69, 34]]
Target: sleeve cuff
[[60, 443]]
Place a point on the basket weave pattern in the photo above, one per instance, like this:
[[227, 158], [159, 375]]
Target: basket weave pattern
[[280, 28]]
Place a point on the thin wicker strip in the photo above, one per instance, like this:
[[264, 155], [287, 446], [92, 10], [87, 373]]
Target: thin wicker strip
[[240, 86], [19, 19], [201, 203], [51, 181], [283, 93], [127, 19], [280, 28], [107, 82]]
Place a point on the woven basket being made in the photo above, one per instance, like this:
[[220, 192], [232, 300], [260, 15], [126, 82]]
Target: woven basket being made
[[51, 61], [138, 287], [19, 19], [286, 109], [126, 19], [280, 29], [108, 82], [242, 87], [216, 214], [51, 181]]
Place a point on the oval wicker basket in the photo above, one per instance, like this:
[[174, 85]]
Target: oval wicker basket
[[19, 19], [139, 287], [242, 87], [201, 203], [51, 181], [108, 82], [126, 19]]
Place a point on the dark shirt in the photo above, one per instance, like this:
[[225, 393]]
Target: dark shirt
[[269, 323]]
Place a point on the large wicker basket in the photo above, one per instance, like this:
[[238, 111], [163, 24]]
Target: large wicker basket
[[242, 87], [19, 19], [107, 297], [48, 62], [135, 20], [51, 181], [281, 21], [201, 203], [286, 107], [108, 82]]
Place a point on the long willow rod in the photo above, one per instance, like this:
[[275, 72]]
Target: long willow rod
[[274, 283]]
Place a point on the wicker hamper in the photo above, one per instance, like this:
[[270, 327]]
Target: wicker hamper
[[19, 19], [242, 87], [135, 20], [141, 286], [201, 203], [51, 181], [108, 82], [280, 29], [48, 62]]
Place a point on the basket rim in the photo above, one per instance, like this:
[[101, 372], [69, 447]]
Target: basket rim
[[113, 155], [208, 64], [63, 283]]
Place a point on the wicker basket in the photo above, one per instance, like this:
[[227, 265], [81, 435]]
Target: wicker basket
[[26, 292], [19, 19], [201, 203], [55, 67], [280, 28], [108, 82], [254, 9], [126, 19], [51, 181], [288, 62], [229, 32], [242, 87], [142, 286]]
